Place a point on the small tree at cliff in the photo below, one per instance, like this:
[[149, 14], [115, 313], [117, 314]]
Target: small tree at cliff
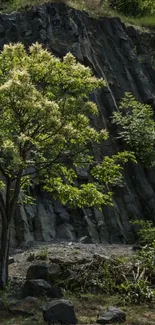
[[137, 128], [45, 133]]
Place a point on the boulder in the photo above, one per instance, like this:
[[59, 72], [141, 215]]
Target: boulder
[[36, 288], [43, 271], [53, 271], [37, 271], [59, 311], [40, 287], [26, 306], [56, 292], [112, 315]]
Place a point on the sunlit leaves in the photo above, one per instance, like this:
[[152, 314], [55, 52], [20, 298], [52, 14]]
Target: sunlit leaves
[[136, 127], [110, 170], [45, 127], [87, 195]]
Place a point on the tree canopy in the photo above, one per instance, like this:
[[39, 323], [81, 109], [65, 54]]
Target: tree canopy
[[46, 134], [136, 127], [44, 122]]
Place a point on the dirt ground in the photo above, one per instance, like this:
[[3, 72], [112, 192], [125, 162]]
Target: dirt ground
[[87, 306]]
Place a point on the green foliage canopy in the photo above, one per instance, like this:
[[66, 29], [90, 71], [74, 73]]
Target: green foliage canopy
[[45, 128], [136, 127]]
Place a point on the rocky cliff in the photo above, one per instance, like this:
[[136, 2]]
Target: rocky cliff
[[122, 56]]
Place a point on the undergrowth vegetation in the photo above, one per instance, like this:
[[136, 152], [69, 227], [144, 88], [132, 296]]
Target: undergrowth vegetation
[[131, 278]]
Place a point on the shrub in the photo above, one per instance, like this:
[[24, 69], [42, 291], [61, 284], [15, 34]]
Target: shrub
[[136, 127], [128, 8], [136, 292], [133, 7], [146, 232]]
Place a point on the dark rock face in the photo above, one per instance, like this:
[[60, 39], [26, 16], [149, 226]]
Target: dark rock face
[[60, 311], [113, 315], [112, 50]]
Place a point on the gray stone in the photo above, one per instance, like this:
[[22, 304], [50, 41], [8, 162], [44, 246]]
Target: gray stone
[[56, 292], [84, 240], [111, 316], [60, 311], [44, 221], [102, 258], [40, 287], [27, 306], [53, 271], [61, 212], [11, 260], [37, 271], [91, 228], [43, 271], [36, 288]]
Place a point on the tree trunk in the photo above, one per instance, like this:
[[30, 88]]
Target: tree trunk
[[4, 254], [7, 210]]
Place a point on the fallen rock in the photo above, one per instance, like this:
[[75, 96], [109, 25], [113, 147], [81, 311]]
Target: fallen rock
[[112, 315], [85, 240], [53, 271], [100, 257], [11, 260], [56, 260], [26, 306], [40, 287], [36, 288], [56, 292], [59, 311], [43, 271], [37, 271]]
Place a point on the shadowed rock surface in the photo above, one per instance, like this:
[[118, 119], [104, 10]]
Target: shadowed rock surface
[[115, 53], [60, 311], [111, 316]]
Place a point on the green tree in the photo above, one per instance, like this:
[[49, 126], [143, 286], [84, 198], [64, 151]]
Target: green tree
[[45, 133], [136, 127]]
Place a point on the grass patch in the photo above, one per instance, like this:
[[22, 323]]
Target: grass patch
[[87, 308], [146, 21], [93, 7]]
